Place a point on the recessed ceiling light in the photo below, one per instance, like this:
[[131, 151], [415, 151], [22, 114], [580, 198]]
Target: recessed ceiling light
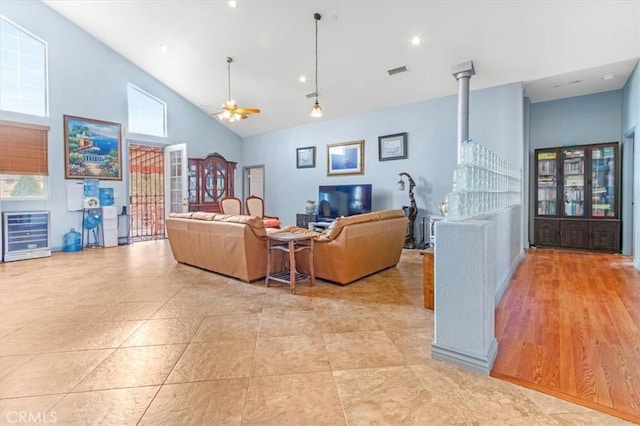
[[575, 82], [609, 77], [415, 40], [164, 48], [302, 79], [233, 3]]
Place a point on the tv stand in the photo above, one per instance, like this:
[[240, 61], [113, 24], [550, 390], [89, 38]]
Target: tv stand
[[319, 226]]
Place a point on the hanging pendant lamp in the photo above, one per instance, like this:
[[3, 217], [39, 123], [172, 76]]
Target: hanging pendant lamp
[[316, 111]]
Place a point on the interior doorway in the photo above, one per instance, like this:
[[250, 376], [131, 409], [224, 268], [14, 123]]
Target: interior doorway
[[635, 196], [253, 181], [146, 192]]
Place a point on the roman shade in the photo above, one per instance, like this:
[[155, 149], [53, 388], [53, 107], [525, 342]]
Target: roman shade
[[23, 149]]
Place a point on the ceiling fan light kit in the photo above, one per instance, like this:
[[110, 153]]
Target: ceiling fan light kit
[[316, 111], [230, 111]]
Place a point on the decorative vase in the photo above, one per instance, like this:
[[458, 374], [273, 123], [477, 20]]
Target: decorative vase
[[310, 207]]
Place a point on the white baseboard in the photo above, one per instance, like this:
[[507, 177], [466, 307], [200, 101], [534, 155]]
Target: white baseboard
[[507, 280], [479, 365]]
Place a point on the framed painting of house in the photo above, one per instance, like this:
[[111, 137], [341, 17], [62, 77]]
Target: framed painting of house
[[92, 149]]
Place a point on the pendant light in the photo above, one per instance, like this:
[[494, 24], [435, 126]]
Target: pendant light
[[316, 111]]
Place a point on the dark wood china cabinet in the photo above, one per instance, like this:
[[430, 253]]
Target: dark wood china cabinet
[[211, 178]]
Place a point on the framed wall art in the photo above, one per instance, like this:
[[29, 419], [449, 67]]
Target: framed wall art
[[392, 147], [92, 149], [345, 158], [306, 157]]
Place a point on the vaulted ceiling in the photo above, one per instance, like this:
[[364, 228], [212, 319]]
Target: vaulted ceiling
[[559, 49]]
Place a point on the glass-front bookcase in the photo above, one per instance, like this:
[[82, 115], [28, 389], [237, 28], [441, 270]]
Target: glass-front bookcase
[[547, 183], [603, 178], [573, 182], [577, 197]]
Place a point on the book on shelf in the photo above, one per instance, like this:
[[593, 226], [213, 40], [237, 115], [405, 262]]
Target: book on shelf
[[577, 180], [547, 167], [572, 208], [546, 208], [546, 156], [573, 167], [546, 194], [573, 153]]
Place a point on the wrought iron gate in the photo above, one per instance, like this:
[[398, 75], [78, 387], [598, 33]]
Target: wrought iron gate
[[146, 167]]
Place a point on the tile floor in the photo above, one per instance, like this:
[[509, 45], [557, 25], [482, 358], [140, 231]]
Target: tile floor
[[127, 336]]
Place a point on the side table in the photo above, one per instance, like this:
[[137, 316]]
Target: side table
[[427, 278], [292, 243]]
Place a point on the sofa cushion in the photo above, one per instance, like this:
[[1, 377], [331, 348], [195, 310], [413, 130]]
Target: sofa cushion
[[181, 215], [336, 227], [203, 216], [255, 223]]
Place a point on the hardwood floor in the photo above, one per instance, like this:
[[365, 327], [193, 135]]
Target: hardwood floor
[[569, 326]]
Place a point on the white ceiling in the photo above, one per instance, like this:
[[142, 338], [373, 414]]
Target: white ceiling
[[542, 43]]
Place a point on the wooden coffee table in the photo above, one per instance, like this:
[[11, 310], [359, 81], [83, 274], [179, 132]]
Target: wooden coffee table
[[292, 243]]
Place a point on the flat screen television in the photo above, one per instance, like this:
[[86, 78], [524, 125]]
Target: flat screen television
[[343, 200]]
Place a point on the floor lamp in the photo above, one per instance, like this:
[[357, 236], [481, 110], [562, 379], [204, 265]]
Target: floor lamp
[[411, 211]]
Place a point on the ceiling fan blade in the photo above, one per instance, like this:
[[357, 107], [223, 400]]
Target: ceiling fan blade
[[217, 113], [248, 110]]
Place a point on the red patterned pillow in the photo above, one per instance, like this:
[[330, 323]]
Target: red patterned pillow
[[271, 223]]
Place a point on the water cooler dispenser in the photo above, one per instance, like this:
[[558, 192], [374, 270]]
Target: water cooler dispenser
[[110, 226], [109, 217]]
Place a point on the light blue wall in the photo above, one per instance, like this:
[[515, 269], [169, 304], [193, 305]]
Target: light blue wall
[[582, 120], [88, 79], [631, 170], [495, 120], [631, 101], [431, 129]]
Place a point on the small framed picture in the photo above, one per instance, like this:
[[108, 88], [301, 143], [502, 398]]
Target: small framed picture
[[345, 158], [306, 157], [392, 147]]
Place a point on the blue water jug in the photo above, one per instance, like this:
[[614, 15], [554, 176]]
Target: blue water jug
[[106, 196], [91, 187], [72, 241]]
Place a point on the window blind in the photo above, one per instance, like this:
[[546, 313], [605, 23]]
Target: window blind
[[23, 149]]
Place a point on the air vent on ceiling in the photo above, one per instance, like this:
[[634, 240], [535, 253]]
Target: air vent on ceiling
[[311, 95], [398, 70]]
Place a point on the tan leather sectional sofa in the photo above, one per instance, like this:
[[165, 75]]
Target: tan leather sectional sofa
[[234, 245], [356, 246]]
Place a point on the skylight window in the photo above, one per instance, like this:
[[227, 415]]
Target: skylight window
[[23, 70], [147, 114]]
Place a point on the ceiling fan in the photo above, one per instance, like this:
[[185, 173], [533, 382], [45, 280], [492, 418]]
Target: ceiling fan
[[230, 110]]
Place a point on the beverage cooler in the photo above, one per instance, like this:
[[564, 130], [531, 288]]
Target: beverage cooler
[[26, 235]]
